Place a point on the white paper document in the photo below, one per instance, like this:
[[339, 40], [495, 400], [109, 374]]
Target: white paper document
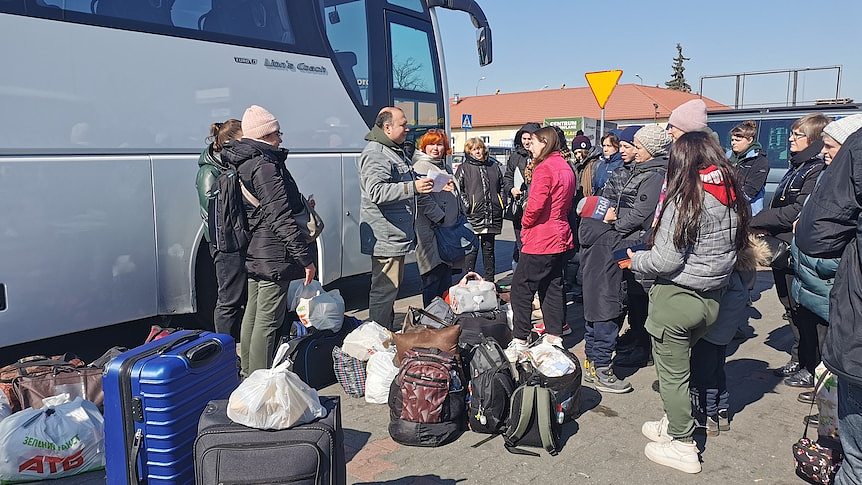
[[440, 178]]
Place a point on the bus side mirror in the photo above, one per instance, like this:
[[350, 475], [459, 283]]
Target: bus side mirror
[[483, 43]]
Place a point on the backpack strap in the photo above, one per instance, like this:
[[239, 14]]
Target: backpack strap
[[247, 193], [528, 398], [543, 419]]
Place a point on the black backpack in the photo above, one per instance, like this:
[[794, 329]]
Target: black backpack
[[228, 227], [491, 387], [532, 421]]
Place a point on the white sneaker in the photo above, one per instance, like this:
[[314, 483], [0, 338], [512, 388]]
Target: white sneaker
[[553, 340], [656, 431], [516, 348], [675, 454]]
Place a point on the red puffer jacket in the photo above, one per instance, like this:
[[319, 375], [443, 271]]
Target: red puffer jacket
[[546, 228]]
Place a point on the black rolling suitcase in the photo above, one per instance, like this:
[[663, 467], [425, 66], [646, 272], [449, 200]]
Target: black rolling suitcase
[[313, 453]]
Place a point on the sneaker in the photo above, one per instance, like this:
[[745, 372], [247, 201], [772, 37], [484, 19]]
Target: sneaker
[[539, 328], [589, 371], [723, 420], [712, 426], [803, 378], [553, 340], [811, 420], [515, 350], [606, 381], [656, 431], [788, 369], [674, 454]]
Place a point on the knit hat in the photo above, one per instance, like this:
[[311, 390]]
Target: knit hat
[[628, 134], [842, 128], [689, 116], [257, 122], [581, 142], [594, 207], [655, 139]]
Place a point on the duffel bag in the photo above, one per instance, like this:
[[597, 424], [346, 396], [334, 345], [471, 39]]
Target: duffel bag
[[426, 399], [473, 294], [350, 372], [493, 324], [31, 366], [83, 382], [444, 339], [437, 314]]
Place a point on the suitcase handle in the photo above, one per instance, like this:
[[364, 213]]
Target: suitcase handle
[[182, 340], [204, 353]]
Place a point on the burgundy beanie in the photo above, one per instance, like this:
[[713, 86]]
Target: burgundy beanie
[[689, 116], [594, 206], [581, 142], [257, 122]]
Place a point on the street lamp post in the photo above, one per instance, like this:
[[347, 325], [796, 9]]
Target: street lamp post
[[640, 78], [477, 84]]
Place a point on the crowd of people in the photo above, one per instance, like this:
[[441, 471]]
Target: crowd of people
[[666, 228]]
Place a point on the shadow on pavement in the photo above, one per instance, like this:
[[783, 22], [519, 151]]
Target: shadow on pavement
[[418, 480], [781, 338], [748, 380], [590, 400], [354, 441]]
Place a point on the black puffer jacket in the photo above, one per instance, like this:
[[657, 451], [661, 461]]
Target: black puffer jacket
[[797, 183], [278, 249], [636, 201], [480, 183], [833, 217], [604, 291]]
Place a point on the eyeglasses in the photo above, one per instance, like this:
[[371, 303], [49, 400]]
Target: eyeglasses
[[796, 135], [278, 133]]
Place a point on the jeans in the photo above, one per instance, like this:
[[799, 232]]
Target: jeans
[[708, 382], [850, 432], [601, 341], [487, 243], [386, 276], [232, 290], [436, 282], [264, 314], [678, 318], [811, 330], [542, 273]]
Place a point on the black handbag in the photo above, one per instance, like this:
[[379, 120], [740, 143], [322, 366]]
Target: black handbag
[[514, 209], [456, 241], [780, 253]]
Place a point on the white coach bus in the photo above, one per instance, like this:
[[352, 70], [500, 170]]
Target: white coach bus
[[106, 105]]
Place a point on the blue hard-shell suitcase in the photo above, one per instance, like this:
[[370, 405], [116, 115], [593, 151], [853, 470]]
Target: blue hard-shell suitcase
[[154, 397]]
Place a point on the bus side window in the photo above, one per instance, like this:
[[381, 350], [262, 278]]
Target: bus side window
[[150, 11], [256, 19]]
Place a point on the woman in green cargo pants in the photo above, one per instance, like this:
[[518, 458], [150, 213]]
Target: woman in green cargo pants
[[701, 224]]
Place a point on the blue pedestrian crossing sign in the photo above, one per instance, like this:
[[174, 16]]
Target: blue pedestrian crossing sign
[[466, 121]]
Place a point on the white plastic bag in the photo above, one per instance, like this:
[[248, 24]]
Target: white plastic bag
[[550, 360], [274, 398], [367, 339], [61, 439], [381, 372], [326, 311], [302, 298]]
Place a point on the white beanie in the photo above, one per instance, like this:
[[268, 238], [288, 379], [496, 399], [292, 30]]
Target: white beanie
[[842, 128], [257, 122]]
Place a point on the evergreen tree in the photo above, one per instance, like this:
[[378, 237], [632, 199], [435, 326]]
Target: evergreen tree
[[677, 82]]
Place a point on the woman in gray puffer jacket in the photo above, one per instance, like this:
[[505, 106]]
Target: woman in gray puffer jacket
[[701, 226], [434, 209]]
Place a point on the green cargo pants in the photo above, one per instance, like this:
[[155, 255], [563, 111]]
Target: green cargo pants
[[264, 314], [678, 318]]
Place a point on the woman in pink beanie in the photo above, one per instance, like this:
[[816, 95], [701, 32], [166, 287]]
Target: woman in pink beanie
[[687, 117]]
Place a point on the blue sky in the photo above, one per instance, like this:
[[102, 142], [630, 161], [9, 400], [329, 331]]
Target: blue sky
[[556, 41]]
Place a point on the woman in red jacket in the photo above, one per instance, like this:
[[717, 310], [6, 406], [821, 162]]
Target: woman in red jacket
[[546, 236]]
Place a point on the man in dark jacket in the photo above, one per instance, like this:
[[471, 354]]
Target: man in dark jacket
[[833, 215], [513, 179], [278, 251]]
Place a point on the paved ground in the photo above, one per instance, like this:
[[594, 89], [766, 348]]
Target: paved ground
[[605, 446]]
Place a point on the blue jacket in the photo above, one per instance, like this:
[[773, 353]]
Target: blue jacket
[[813, 281], [604, 168]]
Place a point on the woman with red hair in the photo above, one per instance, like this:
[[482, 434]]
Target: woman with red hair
[[434, 209]]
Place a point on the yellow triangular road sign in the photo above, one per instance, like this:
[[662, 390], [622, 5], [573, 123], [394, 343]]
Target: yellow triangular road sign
[[602, 83]]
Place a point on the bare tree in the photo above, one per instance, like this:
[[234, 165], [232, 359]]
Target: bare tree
[[407, 75]]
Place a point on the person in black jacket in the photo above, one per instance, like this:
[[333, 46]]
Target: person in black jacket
[[513, 179], [776, 223], [278, 251], [480, 182], [833, 219], [750, 161]]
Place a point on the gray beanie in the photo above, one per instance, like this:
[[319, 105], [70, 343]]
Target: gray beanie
[[655, 139], [842, 128]]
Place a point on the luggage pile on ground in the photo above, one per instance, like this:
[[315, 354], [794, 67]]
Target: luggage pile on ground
[[176, 410]]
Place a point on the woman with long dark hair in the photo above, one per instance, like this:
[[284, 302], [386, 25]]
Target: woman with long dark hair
[[547, 238], [701, 225]]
